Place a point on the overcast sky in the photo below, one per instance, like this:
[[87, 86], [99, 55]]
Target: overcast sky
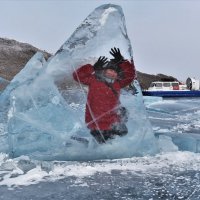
[[165, 34]]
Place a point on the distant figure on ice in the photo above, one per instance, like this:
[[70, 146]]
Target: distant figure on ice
[[105, 117]]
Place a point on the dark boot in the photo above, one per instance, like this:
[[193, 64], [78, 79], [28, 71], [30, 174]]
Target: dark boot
[[98, 136]]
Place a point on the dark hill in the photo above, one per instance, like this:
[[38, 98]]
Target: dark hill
[[14, 55], [146, 79]]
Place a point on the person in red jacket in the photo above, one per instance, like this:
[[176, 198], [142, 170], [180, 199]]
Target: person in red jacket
[[104, 116]]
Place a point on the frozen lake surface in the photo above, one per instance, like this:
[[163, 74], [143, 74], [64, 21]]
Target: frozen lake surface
[[170, 175]]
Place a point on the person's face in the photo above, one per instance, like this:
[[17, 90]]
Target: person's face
[[110, 73]]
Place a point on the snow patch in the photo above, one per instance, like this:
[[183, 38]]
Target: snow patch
[[175, 161], [105, 15]]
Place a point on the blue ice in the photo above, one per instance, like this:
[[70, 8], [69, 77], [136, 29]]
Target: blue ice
[[176, 119], [45, 107]]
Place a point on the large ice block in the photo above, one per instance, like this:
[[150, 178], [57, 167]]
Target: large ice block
[[47, 106]]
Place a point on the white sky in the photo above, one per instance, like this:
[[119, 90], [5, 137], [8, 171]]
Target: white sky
[[165, 34]]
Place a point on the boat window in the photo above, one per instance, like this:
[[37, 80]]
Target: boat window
[[175, 84], [166, 84], [158, 84], [152, 84]]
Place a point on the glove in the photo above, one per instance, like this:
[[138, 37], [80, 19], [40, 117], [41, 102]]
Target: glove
[[115, 52], [100, 63]]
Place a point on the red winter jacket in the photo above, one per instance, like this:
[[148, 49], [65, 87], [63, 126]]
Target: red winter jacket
[[101, 101]]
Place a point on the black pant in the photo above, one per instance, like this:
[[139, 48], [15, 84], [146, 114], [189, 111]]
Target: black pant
[[103, 136]]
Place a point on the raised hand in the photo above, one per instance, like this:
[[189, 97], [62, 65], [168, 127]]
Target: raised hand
[[115, 52], [100, 63]]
